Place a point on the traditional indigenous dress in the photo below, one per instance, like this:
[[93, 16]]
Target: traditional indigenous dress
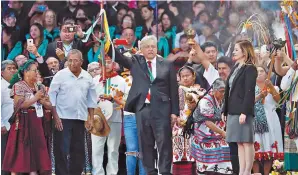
[[26, 149], [268, 138], [181, 146], [209, 149], [289, 83]]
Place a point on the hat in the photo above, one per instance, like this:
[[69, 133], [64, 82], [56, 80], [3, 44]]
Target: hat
[[101, 127]]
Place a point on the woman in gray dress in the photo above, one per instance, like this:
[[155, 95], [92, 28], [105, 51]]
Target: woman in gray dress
[[239, 103]]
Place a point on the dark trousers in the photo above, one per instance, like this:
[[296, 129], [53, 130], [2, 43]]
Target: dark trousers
[[153, 129], [234, 157], [4, 138], [69, 142]]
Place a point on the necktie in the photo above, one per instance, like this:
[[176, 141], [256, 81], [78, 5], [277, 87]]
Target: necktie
[[149, 63]]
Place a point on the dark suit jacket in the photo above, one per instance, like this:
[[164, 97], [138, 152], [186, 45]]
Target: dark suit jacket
[[241, 98], [164, 89], [51, 52]]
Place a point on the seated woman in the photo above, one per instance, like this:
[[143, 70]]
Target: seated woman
[[268, 138], [51, 31], [180, 55], [81, 18], [40, 43], [10, 47], [208, 147], [168, 27], [115, 29], [26, 150], [162, 43]]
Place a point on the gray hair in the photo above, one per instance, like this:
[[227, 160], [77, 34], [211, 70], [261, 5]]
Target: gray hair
[[75, 52], [92, 64], [7, 62], [218, 84], [146, 39], [51, 58]]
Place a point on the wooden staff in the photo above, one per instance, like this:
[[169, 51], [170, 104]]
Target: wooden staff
[[270, 71], [104, 79]]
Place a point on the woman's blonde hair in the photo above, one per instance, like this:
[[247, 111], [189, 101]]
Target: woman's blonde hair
[[248, 51], [44, 17]]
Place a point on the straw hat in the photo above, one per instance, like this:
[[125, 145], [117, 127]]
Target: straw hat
[[101, 127]]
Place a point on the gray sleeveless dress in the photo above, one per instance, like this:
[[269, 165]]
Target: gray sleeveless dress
[[237, 132]]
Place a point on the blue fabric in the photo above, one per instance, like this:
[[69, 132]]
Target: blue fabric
[[112, 30], [163, 45], [171, 33], [138, 32], [288, 25], [15, 51], [131, 139], [270, 5], [93, 57], [42, 49], [52, 35]]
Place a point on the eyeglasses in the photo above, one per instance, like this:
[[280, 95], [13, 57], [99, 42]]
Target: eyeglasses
[[52, 17], [36, 70], [94, 69], [73, 61]]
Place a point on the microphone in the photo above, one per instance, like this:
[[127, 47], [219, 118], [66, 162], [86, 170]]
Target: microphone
[[53, 71], [39, 85]]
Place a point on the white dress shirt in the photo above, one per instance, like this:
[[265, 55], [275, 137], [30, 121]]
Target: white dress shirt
[[118, 83], [72, 95], [6, 104], [211, 74]]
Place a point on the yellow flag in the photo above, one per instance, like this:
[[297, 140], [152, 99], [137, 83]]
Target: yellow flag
[[107, 32]]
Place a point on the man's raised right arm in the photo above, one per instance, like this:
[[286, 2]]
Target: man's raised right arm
[[123, 60]]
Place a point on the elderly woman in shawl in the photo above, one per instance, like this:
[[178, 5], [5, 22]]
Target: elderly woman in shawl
[[26, 150], [208, 147]]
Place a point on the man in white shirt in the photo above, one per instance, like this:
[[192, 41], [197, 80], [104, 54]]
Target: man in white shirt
[[73, 97], [8, 68], [205, 69], [114, 86]]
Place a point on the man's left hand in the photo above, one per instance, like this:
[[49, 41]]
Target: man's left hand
[[89, 124], [79, 31], [32, 49]]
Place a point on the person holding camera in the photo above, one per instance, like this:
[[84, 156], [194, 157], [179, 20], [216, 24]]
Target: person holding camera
[[60, 49]]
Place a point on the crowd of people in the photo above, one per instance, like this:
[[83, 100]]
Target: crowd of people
[[223, 104]]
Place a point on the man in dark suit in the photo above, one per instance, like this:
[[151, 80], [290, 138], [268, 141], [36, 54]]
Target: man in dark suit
[[69, 42], [154, 99]]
